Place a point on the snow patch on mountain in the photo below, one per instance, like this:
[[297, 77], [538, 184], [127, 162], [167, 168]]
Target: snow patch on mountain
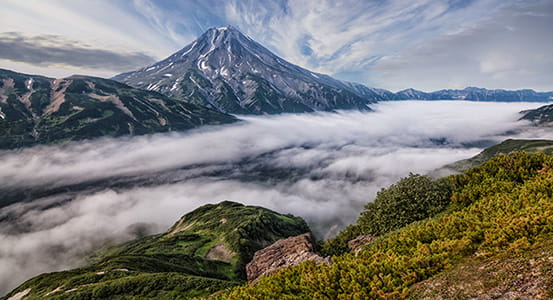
[[229, 71]]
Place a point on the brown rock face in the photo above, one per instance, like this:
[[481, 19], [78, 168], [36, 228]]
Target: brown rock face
[[356, 243], [284, 253]]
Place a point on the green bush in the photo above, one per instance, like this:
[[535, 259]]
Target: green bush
[[412, 198]]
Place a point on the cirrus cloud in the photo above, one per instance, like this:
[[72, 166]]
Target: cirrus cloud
[[53, 50]]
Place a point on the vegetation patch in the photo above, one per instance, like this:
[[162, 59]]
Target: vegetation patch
[[176, 264], [504, 205]]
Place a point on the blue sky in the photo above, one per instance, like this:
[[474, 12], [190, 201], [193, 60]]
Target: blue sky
[[424, 44]]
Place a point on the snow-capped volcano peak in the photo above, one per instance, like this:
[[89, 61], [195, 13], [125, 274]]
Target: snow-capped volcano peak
[[229, 71]]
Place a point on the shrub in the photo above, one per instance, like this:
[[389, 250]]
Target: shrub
[[412, 198], [507, 204]]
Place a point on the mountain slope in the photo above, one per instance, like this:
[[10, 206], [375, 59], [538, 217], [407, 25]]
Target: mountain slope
[[541, 116], [40, 110], [503, 206], [205, 251], [228, 71], [507, 275], [505, 147]]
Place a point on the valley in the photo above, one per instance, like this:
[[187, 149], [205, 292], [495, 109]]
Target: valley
[[102, 195], [286, 156]]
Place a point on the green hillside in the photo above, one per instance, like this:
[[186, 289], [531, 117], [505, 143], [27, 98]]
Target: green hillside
[[205, 251], [507, 275], [39, 110], [505, 147], [503, 206]]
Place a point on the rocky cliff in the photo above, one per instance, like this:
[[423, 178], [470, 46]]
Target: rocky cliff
[[284, 253]]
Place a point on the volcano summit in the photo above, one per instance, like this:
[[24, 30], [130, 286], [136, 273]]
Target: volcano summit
[[228, 71]]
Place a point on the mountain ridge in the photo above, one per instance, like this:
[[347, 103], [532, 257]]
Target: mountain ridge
[[203, 252], [476, 94], [541, 116], [40, 110]]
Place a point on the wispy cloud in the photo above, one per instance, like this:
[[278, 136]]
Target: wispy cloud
[[351, 35], [391, 44], [510, 51], [53, 50], [162, 21], [114, 26]]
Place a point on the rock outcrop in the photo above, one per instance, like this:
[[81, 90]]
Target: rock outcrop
[[284, 253], [356, 244]]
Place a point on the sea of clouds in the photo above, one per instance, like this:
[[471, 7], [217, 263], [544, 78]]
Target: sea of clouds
[[323, 167]]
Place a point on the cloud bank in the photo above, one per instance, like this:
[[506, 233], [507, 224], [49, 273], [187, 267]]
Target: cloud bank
[[324, 167], [52, 50]]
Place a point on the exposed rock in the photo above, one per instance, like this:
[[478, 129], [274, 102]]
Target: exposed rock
[[220, 252], [121, 270], [58, 289], [179, 227], [356, 244], [284, 253], [20, 295]]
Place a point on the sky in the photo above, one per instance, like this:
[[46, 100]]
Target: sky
[[395, 44], [331, 165]]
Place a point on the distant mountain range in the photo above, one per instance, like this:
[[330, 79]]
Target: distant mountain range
[[41, 110], [475, 94]]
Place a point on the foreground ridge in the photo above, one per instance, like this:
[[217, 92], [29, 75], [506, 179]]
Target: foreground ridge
[[501, 207], [205, 251]]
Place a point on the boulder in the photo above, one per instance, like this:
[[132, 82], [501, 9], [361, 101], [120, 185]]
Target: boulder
[[284, 253]]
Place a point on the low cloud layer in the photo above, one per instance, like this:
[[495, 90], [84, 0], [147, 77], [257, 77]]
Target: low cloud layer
[[322, 166], [53, 50]]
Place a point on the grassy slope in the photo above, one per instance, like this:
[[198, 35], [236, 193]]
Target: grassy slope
[[91, 107], [504, 205], [508, 274], [505, 147], [174, 264]]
